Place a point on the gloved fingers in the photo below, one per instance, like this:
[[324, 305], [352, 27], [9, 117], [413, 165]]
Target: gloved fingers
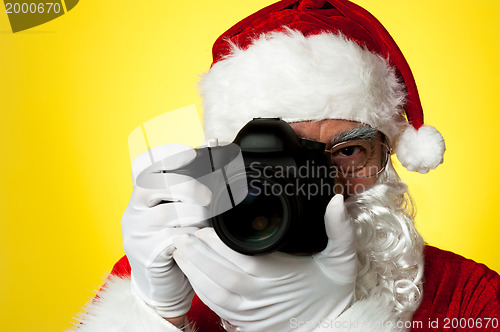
[[211, 265], [339, 256], [217, 299], [228, 306], [164, 246], [185, 215], [211, 290], [212, 240], [163, 286], [177, 188], [265, 266], [153, 251], [339, 227], [186, 189], [168, 215], [169, 156]]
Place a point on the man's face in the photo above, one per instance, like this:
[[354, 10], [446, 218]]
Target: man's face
[[332, 132]]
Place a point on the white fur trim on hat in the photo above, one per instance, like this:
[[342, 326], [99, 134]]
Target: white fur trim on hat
[[420, 150], [297, 78]]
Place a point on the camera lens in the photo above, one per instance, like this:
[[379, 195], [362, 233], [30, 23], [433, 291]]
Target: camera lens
[[259, 223], [260, 218]]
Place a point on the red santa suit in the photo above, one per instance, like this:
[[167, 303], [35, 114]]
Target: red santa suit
[[459, 295]]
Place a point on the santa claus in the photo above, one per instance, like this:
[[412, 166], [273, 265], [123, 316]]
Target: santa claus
[[332, 71]]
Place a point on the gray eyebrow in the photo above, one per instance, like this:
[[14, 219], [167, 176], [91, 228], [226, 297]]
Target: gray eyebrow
[[355, 133]]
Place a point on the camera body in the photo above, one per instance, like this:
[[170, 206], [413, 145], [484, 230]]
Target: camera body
[[290, 182], [269, 189]]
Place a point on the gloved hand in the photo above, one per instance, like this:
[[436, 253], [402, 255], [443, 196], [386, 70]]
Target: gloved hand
[[275, 292], [153, 217]]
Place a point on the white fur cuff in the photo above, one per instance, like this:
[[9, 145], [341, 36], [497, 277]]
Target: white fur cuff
[[118, 309]]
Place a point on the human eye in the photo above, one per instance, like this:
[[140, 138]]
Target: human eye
[[358, 157], [350, 156], [350, 151]]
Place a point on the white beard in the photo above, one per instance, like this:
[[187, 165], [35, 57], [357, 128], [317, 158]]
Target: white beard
[[390, 250]]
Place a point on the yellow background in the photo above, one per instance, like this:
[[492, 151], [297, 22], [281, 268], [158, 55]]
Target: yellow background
[[72, 90]]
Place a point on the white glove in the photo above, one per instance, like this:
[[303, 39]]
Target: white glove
[[276, 292], [148, 226]]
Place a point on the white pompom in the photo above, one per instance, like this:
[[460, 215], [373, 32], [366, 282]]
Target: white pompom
[[420, 150]]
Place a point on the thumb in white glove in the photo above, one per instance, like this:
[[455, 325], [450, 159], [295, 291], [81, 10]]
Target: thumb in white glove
[[151, 220], [275, 292]]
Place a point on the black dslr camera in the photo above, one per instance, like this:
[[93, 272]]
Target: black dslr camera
[[269, 189]]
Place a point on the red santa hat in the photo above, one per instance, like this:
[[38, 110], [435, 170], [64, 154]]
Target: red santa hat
[[313, 60]]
